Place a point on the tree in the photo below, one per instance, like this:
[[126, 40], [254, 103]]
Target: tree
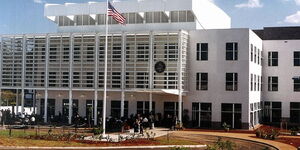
[[8, 98]]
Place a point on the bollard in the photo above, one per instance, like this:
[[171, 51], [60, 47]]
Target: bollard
[[9, 132], [36, 132]]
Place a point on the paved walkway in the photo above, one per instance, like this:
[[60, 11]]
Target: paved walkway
[[160, 147], [115, 137], [245, 136]]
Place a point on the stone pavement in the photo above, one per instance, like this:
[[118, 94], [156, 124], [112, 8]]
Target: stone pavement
[[246, 136]]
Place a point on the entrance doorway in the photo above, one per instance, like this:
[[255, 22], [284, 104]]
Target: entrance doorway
[[50, 109], [232, 115], [201, 115]]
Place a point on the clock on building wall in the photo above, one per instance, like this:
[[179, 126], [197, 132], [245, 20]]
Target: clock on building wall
[[160, 67]]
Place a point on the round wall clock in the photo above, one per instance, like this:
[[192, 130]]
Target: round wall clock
[[160, 67]]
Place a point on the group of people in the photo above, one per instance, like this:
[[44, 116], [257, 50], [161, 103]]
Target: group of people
[[8, 117], [141, 123]]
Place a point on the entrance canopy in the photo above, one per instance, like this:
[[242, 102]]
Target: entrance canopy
[[162, 91]]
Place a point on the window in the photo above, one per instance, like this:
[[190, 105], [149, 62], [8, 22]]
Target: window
[[273, 58], [142, 80], [272, 83], [171, 52], [116, 80], [258, 83], [170, 108], [231, 81], [201, 114], [251, 53], [232, 115], [255, 112], [231, 51], [261, 58], [296, 85], [116, 109], [90, 109], [170, 80], [182, 16], [258, 59], [202, 51], [50, 108], [254, 82], [142, 52], [251, 84], [295, 112], [143, 107], [297, 58], [272, 111], [65, 108], [202, 81], [117, 53], [255, 51]]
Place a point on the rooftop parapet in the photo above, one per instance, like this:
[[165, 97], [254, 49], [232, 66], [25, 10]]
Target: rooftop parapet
[[140, 14]]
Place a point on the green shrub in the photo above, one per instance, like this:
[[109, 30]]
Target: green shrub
[[97, 131], [267, 133]]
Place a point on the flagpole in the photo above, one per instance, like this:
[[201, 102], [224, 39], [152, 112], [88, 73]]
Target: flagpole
[[105, 72]]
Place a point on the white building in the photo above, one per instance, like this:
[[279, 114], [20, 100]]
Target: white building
[[171, 56]]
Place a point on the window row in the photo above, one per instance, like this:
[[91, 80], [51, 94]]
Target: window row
[[255, 82], [273, 84], [231, 83], [273, 58], [256, 55], [131, 18], [231, 50]]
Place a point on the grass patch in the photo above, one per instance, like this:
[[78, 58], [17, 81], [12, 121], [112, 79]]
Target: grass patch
[[19, 133]]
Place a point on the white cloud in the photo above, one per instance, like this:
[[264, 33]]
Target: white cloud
[[250, 4], [39, 1], [294, 18], [297, 2]]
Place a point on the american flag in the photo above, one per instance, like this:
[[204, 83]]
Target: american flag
[[115, 14]]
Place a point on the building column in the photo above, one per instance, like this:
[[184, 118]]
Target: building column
[[23, 73], [70, 106], [46, 80], [17, 101], [46, 106], [150, 102], [1, 51], [71, 79], [123, 74], [95, 107], [151, 72], [179, 78], [96, 81], [34, 102]]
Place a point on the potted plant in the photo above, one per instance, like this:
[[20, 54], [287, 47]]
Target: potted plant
[[226, 126]]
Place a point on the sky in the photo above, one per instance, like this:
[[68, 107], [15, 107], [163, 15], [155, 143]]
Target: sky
[[27, 16]]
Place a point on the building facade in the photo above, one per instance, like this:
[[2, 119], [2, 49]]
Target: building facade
[[169, 60]]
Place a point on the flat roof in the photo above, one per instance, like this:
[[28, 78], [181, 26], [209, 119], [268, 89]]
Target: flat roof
[[279, 33]]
